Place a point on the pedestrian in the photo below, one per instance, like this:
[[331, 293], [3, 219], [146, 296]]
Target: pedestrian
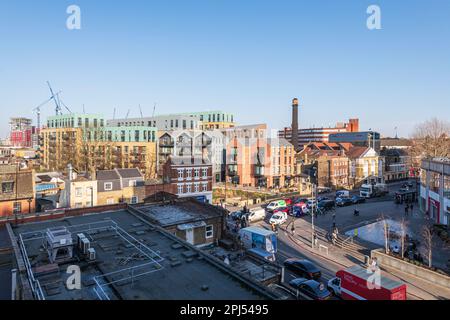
[[406, 210], [293, 228]]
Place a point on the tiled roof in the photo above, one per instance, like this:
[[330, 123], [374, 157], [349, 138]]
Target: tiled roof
[[129, 173], [107, 175], [356, 152]]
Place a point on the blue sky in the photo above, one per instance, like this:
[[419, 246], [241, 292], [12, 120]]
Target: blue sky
[[250, 57]]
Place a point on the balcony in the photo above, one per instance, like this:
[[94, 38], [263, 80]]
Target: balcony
[[232, 170], [259, 170]]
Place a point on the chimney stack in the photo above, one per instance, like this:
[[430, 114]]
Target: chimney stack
[[294, 126]]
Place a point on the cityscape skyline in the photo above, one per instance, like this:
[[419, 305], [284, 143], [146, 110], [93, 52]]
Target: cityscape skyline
[[235, 57]]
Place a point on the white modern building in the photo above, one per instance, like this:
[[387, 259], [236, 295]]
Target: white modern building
[[435, 189]]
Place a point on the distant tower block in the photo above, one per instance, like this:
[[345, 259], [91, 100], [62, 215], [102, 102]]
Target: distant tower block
[[294, 126]]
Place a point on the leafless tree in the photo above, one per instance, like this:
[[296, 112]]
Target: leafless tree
[[403, 235], [431, 139], [386, 234], [427, 234]]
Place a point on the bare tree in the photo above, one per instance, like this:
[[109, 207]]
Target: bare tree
[[386, 234], [427, 234], [431, 139], [403, 235]]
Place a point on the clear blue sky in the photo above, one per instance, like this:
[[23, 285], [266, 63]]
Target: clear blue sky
[[250, 57]]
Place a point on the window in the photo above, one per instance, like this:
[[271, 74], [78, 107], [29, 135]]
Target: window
[[205, 173], [180, 174], [132, 183], [110, 201], [205, 187], [180, 189], [78, 192], [197, 173], [188, 188], [134, 200], [189, 174], [108, 186], [196, 188], [78, 205], [8, 187], [17, 207], [209, 232]]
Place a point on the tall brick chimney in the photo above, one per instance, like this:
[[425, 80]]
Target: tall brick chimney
[[294, 126]]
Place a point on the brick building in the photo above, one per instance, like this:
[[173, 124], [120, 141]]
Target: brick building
[[187, 177], [17, 193]]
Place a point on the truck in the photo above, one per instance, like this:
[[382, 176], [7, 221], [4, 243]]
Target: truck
[[259, 238], [373, 190], [354, 283]]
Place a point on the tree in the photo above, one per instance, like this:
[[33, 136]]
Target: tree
[[427, 234], [431, 139], [403, 235]]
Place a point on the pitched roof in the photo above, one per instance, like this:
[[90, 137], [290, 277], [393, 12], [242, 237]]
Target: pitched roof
[[356, 152], [129, 173], [107, 175]]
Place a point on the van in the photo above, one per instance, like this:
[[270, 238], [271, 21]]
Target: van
[[256, 215], [275, 205], [342, 194]]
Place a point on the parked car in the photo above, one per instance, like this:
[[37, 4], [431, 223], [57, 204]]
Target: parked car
[[322, 198], [275, 205], [256, 215], [311, 288], [322, 190], [236, 215], [299, 211], [326, 205], [278, 218], [303, 268], [344, 202], [300, 200], [358, 199], [282, 209], [288, 201], [310, 203]]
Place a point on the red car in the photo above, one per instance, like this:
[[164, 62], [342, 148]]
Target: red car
[[282, 209], [288, 201]]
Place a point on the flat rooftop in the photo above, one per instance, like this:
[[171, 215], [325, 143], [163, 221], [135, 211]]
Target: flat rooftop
[[135, 261], [179, 212]]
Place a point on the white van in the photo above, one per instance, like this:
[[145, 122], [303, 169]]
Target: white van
[[256, 214]]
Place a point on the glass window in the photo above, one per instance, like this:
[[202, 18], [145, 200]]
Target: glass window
[[108, 186], [209, 232], [180, 189], [180, 174], [7, 187], [78, 192], [188, 188], [17, 207]]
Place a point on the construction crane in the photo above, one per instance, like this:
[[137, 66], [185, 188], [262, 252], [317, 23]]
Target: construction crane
[[38, 108], [128, 113], [140, 110], [58, 109]]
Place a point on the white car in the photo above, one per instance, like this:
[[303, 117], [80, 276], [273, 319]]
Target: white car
[[278, 218]]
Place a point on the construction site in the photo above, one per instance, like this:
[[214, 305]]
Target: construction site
[[121, 256]]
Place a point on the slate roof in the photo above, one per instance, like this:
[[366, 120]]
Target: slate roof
[[107, 175]]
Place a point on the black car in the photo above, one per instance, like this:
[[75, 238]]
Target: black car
[[311, 288], [303, 268], [358, 199], [326, 204], [343, 202]]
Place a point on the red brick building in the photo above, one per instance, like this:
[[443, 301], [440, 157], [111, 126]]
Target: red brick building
[[185, 177]]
